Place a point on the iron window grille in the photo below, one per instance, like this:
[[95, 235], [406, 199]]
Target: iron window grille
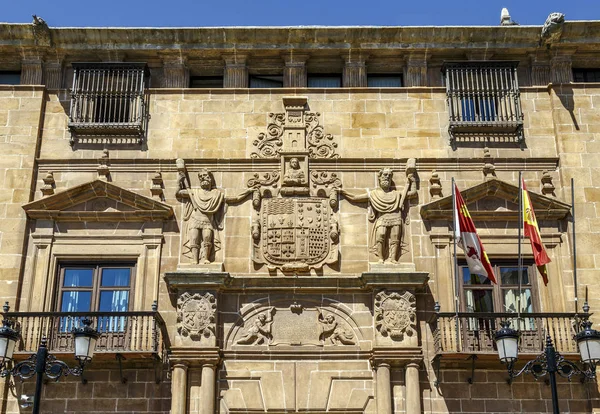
[[108, 99], [483, 97]]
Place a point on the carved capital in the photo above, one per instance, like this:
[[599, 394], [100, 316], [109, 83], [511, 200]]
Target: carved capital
[[294, 72], [175, 72], [416, 69], [355, 70]]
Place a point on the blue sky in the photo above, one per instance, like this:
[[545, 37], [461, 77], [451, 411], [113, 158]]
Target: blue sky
[[161, 13]]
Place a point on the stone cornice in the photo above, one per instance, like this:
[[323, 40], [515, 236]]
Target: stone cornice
[[581, 34]]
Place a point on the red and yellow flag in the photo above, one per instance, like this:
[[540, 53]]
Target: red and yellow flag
[[469, 241], [531, 230]]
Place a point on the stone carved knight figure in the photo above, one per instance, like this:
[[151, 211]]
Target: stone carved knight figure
[[386, 206], [203, 216]]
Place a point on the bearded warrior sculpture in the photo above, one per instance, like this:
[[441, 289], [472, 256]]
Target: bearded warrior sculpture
[[386, 210], [203, 216]]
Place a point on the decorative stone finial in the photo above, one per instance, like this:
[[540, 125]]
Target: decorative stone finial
[[505, 19], [157, 186], [48, 187], [547, 185], [488, 165], [435, 185], [103, 169]]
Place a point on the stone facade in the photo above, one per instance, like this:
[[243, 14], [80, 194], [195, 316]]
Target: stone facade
[[291, 308]]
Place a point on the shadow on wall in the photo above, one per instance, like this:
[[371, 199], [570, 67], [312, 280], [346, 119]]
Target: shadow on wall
[[565, 94]]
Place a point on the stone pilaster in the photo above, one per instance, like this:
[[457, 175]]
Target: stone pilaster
[[179, 389], [413, 389], [416, 70], [207, 389], [355, 71], [53, 70], [540, 69], [294, 72], [31, 69], [384, 388], [562, 71], [175, 72], [236, 71]]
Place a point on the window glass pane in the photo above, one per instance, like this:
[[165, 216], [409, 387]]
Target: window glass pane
[[266, 81], [114, 301], [76, 301], [10, 78], [324, 81], [469, 279], [510, 276], [78, 277], [510, 300], [115, 277], [384, 81], [479, 300]]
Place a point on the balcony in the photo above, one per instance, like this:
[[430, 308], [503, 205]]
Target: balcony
[[473, 333], [136, 334], [108, 102], [483, 100]]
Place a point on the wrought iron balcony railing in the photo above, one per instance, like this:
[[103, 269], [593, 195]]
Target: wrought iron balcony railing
[[473, 333], [121, 332], [108, 99], [483, 97]]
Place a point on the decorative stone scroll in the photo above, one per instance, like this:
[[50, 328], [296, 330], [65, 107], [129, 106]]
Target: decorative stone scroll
[[196, 315], [294, 130], [395, 314]]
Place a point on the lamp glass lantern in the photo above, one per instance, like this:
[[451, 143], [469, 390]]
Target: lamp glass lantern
[[8, 341], [588, 341], [507, 343], [85, 338]]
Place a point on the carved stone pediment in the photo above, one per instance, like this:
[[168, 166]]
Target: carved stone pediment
[[98, 201], [496, 200]]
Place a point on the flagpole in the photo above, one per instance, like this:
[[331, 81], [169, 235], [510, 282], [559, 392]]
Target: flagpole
[[456, 284], [520, 260], [574, 245]]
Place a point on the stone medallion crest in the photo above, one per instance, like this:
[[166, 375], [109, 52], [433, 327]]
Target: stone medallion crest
[[395, 314], [196, 315]]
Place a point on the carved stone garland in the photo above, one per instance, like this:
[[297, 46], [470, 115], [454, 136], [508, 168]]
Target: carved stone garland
[[395, 314], [196, 315]]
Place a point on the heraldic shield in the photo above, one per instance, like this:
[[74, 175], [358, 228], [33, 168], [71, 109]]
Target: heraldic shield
[[296, 234]]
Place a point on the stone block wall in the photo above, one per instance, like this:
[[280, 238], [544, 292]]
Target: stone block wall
[[21, 111], [104, 391]]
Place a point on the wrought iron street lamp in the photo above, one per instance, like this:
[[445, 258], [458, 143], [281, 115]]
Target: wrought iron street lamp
[[550, 362], [43, 363]]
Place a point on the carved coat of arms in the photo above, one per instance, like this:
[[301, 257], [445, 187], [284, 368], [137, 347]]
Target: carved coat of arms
[[395, 314], [196, 315], [296, 233]]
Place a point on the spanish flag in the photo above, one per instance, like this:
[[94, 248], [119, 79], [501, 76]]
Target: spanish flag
[[531, 230], [468, 239]]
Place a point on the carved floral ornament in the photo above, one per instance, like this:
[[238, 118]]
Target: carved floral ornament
[[395, 314], [196, 315]]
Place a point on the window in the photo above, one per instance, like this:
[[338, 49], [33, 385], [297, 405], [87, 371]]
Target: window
[[586, 75], [483, 97], [108, 99], [10, 78], [266, 81], [388, 80], [206, 82], [95, 288], [324, 81], [481, 296]]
